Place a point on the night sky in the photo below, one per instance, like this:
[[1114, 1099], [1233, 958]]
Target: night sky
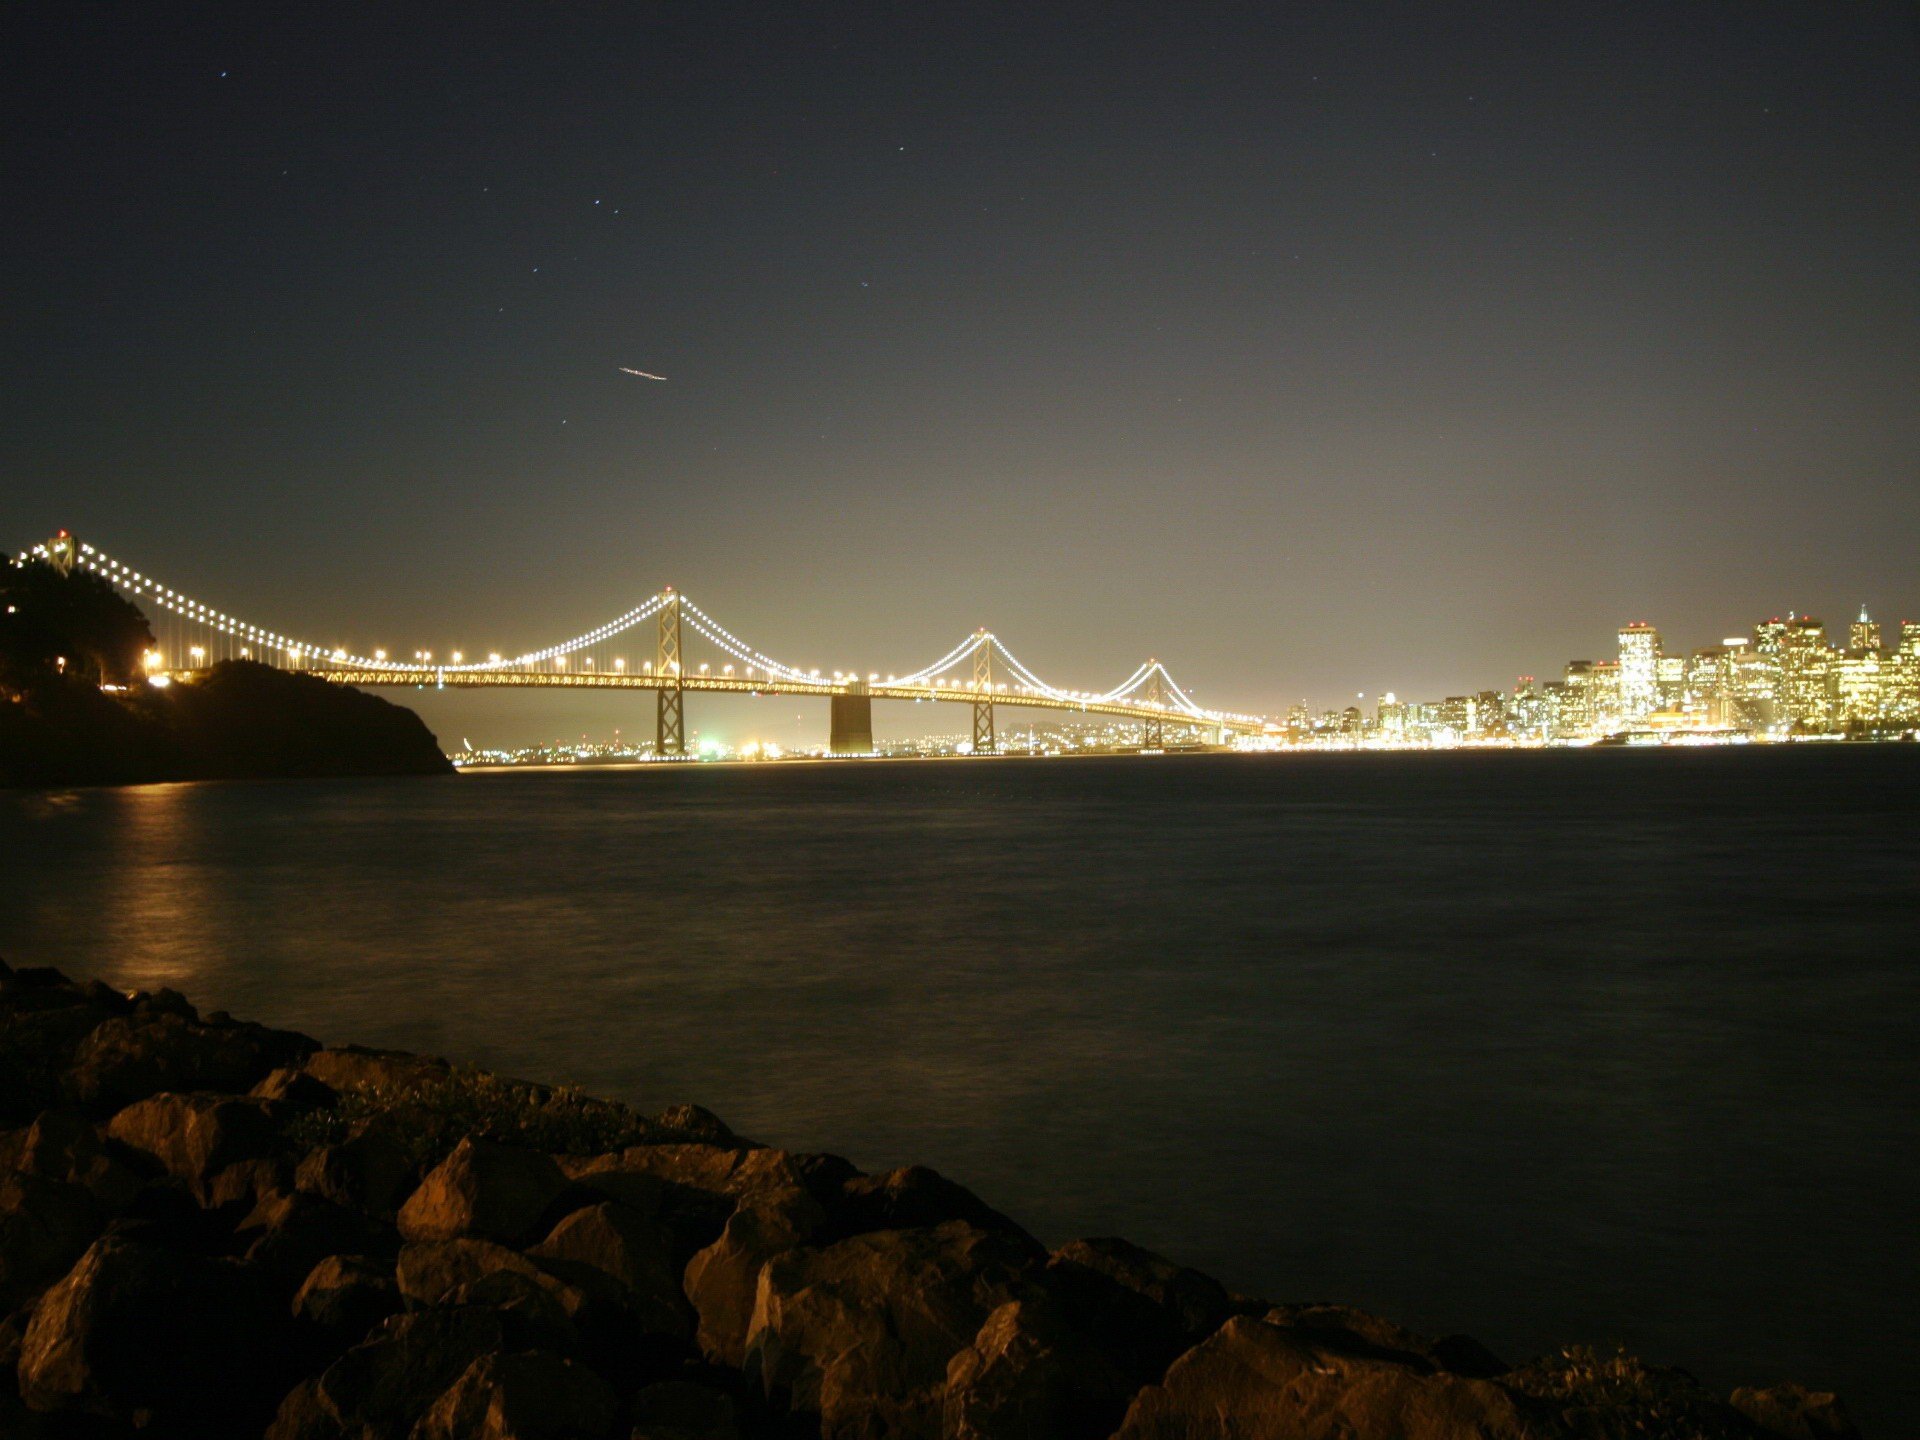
[[1314, 349]]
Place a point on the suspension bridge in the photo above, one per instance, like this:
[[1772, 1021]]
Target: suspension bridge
[[980, 672]]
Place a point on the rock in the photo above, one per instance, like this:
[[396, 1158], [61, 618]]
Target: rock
[[193, 1137], [1342, 1327], [297, 1090], [723, 1280], [368, 1171], [378, 1389], [693, 1122], [37, 1043], [682, 1410], [531, 1396], [620, 1243], [129, 1057], [45, 1225], [1251, 1380], [535, 1311], [1196, 1303], [347, 1295], [64, 1145], [287, 1235], [429, 1270], [495, 1192], [1140, 1308], [91, 1347], [1793, 1412], [1030, 1375], [862, 1332], [913, 1198], [352, 1068], [164, 1001]]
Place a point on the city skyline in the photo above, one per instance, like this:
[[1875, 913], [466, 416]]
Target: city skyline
[[1783, 678]]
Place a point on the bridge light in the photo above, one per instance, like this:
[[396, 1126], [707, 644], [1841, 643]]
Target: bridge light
[[380, 655], [703, 669], [493, 657], [456, 657], [619, 664], [726, 670]]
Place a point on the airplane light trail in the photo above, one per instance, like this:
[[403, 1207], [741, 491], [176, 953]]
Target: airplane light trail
[[629, 370]]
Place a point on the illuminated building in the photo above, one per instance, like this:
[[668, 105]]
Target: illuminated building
[[1863, 635], [1639, 670], [1806, 674]]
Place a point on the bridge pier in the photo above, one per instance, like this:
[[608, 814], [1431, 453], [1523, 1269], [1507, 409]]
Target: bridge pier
[[1155, 736], [983, 737], [670, 729], [851, 732]]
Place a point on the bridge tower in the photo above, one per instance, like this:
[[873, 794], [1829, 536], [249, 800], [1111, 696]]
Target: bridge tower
[[1156, 731], [983, 741], [670, 735]]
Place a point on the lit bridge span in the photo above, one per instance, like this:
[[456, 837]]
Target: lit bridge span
[[979, 672]]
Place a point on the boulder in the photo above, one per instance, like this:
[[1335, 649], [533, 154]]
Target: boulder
[[862, 1331], [91, 1348], [350, 1067], [682, 1410], [529, 1396], [913, 1198], [1252, 1380], [535, 1311], [621, 1243], [494, 1192], [1792, 1412], [129, 1057], [194, 1137], [345, 1296], [429, 1271], [45, 1225], [1196, 1304], [723, 1280], [1342, 1327], [287, 1234], [37, 1044], [296, 1089], [1031, 1375], [379, 1388], [368, 1171], [64, 1145], [693, 1122]]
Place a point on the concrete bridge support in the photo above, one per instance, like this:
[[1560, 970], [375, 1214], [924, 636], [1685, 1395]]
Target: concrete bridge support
[[852, 729]]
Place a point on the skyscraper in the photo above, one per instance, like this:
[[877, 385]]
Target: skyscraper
[[1863, 635], [1639, 671]]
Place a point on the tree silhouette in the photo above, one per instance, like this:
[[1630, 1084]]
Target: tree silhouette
[[73, 625]]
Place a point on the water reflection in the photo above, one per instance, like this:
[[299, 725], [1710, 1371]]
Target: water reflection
[[1541, 1047]]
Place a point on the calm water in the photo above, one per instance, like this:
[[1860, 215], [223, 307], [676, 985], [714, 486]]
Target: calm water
[[1614, 1047]]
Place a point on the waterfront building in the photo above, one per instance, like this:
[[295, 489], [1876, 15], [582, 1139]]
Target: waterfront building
[[1807, 688], [1858, 683], [1639, 670]]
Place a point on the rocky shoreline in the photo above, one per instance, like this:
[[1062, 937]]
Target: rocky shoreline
[[210, 1228]]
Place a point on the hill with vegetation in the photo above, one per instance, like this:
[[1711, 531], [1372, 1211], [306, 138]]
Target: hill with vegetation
[[76, 706]]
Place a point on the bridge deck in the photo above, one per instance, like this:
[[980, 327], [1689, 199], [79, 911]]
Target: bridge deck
[[430, 678]]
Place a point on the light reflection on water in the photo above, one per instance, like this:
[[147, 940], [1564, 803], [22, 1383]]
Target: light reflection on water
[[1542, 1047]]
